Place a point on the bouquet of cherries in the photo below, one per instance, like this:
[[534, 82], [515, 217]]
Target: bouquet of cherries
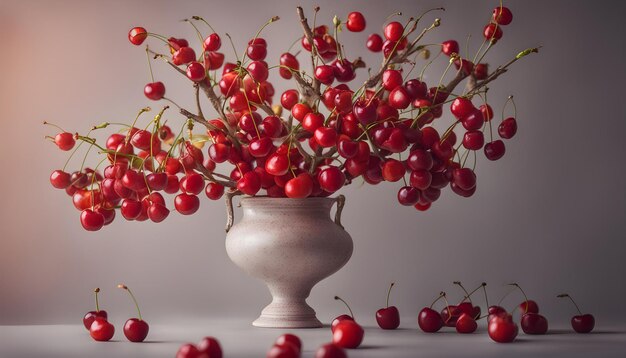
[[327, 132]]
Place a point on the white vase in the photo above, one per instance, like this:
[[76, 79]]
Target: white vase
[[291, 245]]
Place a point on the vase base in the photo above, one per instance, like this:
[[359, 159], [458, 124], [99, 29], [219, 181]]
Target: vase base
[[288, 314], [287, 322]]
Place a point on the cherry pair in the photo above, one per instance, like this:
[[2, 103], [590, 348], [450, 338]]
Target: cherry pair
[[209, 347], [100, 329]]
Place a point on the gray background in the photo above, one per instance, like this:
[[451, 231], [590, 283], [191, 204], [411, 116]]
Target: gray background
[[549, 215]]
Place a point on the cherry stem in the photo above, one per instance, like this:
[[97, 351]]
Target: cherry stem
[[441, 294], [203, 20], [485, 292], [467, 294], [54, 125], [509, 99], [389, 292], [122, 286], [474, 290], [525, 297], [96, 294], [503, 297], [345, 303], [562, 295], [149, 64]]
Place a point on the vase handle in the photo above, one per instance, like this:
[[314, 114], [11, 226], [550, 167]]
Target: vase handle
[[229, 208], [341, 201]]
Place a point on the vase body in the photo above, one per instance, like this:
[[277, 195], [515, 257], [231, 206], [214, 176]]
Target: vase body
[[290, 244]]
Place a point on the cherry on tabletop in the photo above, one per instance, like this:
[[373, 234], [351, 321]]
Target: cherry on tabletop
[[135, 329], [581, 323], [346, 332], [210, 346], [289, 338], [101, 330], [92, 315], [534, 323], [429, 320], [388, 317], [502, 329], [285, 350], [330, 350], [466, 323]]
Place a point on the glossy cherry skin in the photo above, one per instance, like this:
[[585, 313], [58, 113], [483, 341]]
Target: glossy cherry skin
[[466, 324], [101, 330], [136, 330], [492, 32], [211, 347], [449, 47], [188, 351], [339, 319], [91, 316], [374, 43], [286, 350], [348, 334], [289, 339], [583, 323], [534, 323], [388, 318], [91, 220], [154, 91], [502, 329], [502, 15], [507, 128], [137, 35], [529, 306], [429, 320], [355, 22], [449, 315], [495, 150], [330, 350]]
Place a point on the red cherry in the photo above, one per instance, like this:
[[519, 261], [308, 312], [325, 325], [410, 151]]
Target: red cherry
[[487, 112], [420, 159], [291, 62], [393, 31], [92, 315], [214, 191], [581, 323], [250, 183], [183, 56], [258, 71], [299, 187], [135, 329], [256, 52], [91, 220], [331, 179], [502, 15], [101, 330], [219, 152], [196, 71], [473, 140], [388, 317], [492, 32], [277, 164], [154, 91], [338, 320], [287, 350], [399, 98], [502, 329], [326, 137], [299, 110], [416, 89], [192, 183], [347, 148], [495, 150], [464, 178], [449, 47], [289, 98], [157, 212], [507, 128], [330, 350], [137, 35], [528, 306], [213, 42], [429, 320], [131, 209], [374, 43], [466, 324], [355, 22], [325, 74], [312, 121], [481, 71], [408, 196], [289, 339], [348, 334], [392, 79], [393, 170], [211, 347], [534, 323], [60, 179], [462, 107], [450, 314], [188, 351], [65, 141], [422, 207], [421, 179], [186, 204], [344, 72]]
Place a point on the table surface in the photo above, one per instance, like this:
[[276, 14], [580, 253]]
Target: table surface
[[239, 339]]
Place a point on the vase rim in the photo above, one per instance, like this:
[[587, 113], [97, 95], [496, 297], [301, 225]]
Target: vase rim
[[289, 202]]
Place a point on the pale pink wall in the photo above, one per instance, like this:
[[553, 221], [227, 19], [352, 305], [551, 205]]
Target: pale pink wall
[[550, 215]]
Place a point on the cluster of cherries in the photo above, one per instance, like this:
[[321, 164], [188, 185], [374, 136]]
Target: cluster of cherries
[[379, 132], [501, 326], [100, 329]]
